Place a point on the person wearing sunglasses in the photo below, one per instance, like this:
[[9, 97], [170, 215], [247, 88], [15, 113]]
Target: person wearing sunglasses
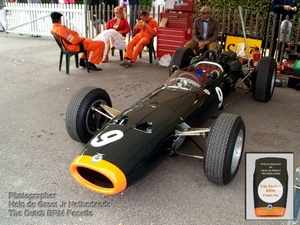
[[115, 32], [205, 32]]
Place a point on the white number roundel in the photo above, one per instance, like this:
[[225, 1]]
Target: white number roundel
[[107, 138], [220, 96]]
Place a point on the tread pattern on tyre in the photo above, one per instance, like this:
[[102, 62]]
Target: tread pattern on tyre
[[72, 111], [217, 143], [263, 79]]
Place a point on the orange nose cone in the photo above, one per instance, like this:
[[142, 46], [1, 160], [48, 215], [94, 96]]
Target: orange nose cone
[[275, 211], [100, 176]]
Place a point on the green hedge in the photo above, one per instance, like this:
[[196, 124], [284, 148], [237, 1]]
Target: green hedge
[[251, 6]]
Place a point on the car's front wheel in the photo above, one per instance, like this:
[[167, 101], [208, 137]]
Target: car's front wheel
[[224, 148], [82, 120]]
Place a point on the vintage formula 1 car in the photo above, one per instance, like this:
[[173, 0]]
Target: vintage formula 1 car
[[122, 147]]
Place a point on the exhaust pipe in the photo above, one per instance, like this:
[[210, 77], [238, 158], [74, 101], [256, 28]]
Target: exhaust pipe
[[98, 175]]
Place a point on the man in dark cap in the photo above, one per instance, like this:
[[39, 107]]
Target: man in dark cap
[[205, 31], [94, 48]]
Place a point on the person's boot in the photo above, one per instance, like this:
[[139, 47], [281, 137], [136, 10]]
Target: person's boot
[[92, 66]]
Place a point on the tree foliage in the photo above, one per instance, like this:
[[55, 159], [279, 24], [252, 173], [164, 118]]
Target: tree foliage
[[260, 6], [146, 2]]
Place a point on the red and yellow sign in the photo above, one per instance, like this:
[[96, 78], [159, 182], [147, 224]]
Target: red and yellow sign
[[232, 42]]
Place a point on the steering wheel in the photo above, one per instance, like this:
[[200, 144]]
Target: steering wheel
[[206, 55]]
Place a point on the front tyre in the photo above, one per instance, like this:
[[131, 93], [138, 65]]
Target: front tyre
[[82, 121], [264, 79], [224, 148]]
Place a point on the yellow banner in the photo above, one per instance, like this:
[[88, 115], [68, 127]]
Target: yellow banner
[[235, 43]]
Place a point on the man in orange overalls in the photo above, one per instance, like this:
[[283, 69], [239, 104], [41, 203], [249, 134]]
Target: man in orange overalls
[[94, 48], [144, 30]]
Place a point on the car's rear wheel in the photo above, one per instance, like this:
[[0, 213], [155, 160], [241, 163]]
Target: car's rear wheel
[[82, 121], [264, 79], [181, 58], [224, 148]]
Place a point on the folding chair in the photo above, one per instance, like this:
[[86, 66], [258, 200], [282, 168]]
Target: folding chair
[[62, 42], [120, 53]]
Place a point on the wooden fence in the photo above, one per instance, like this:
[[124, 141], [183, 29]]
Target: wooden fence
[[34, 19], [258, 26]]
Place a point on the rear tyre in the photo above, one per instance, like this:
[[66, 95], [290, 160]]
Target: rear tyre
[[224, 148], [82, 121], [264, 79], [181, 58]]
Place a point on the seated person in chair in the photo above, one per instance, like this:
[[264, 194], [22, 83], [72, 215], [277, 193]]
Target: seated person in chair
[[115, 32], [144, 30], [94, 48], [205, 32]]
